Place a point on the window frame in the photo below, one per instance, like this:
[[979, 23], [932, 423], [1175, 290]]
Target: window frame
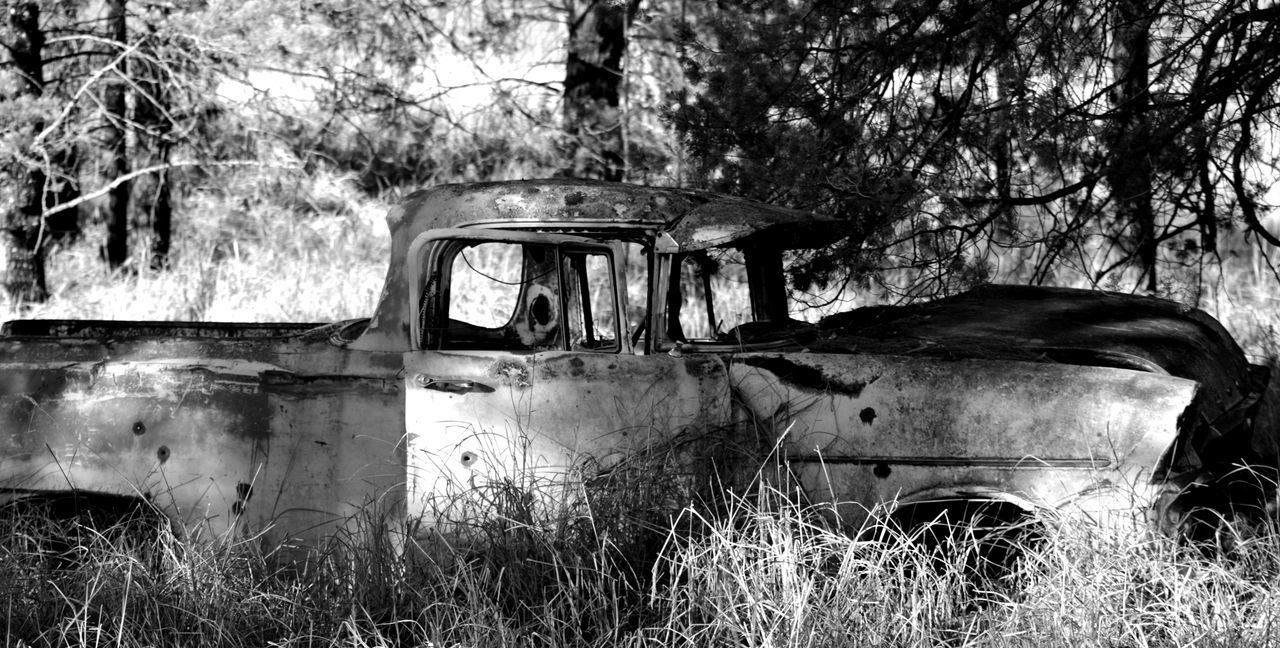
[[427, 254], [669, 261]]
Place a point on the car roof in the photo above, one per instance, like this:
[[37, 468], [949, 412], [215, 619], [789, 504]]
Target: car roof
[[693, 219]]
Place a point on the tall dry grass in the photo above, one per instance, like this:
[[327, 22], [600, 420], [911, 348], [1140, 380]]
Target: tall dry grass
[[762, 571], [270, 247]]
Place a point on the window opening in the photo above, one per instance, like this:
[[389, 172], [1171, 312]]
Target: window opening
[[499, 295], [708, 295], [590, 304], [637, 260], [484, 284]]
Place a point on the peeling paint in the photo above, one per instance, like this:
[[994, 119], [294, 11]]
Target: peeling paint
[[510, 373], [806, 376], [395, 215]]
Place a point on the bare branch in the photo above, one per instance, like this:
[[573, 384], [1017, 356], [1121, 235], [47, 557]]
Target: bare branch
[[116, 182]]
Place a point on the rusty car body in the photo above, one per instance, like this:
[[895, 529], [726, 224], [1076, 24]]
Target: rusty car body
[[530, 326]]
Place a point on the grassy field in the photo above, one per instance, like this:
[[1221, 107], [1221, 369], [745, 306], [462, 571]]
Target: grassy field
[[762, 571]]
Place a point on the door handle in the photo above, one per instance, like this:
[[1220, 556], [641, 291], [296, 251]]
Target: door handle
[[450, 385]]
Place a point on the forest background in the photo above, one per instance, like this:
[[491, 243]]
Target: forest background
[[233, 160], [217, 160]]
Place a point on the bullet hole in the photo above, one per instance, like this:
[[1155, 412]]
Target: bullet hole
[[139, 428], [162, 453], [868, 415], [468, 458], [237, 508], [244, 491], [540, 310], [881, 470]]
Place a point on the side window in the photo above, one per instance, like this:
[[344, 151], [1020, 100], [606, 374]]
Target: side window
[[710, 295], [697, 310], [590, 302], [502, 296], [637, 259], [484, 283], [521, 296]]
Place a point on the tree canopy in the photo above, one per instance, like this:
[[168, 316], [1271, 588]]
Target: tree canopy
[[1112, 138], [1125, 143]]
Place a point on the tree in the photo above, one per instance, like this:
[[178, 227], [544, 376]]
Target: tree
[[597, 44], [25, 179], [389, 99], [92, 88], [154, 76], [1123, 128], [114, 127]]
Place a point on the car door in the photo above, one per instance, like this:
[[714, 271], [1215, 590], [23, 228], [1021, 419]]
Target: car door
[[526, 383]]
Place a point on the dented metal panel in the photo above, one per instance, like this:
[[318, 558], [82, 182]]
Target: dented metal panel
[[479, 420], [866, 428], [285, 441]]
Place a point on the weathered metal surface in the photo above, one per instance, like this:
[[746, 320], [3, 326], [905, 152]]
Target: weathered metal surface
[[1060, 325], [861, 429], [285, 438], [532, 421], [112, 329]]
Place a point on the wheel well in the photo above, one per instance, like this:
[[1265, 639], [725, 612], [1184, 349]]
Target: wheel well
[[63, 523], [97, 509], [990, 530]]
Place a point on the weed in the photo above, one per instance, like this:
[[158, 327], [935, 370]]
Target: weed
[[756, 569]]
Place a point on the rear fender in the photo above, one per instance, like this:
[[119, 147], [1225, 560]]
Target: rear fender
[[871, 428]]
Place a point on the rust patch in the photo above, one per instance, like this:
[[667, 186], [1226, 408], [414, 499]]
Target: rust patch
[[802, 376], [510, 373], [704, 366]]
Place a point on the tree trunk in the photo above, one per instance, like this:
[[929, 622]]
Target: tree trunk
[[117, 207], [150, 112], [1130, 168], [592, 84], [161, 219], [21, 203]]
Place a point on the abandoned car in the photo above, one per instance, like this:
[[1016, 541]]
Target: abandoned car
[[536, 327]]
